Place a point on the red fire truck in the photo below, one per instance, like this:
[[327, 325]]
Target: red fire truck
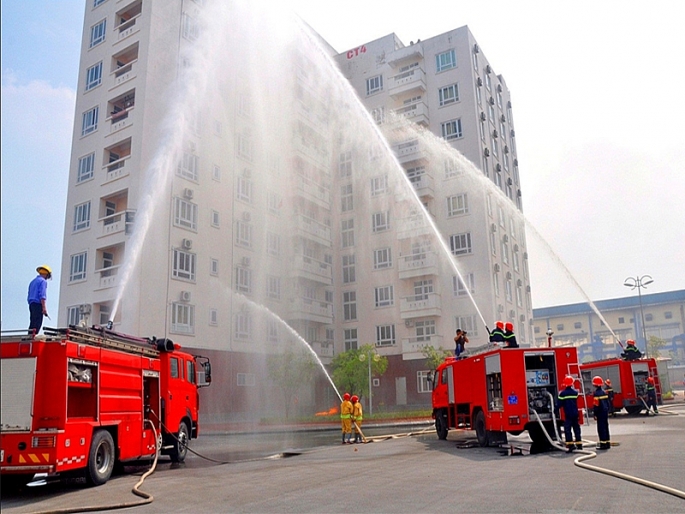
[[498, 390], [628, 380], [81, 400]]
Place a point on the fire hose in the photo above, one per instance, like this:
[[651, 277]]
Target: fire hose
[[591, 455]]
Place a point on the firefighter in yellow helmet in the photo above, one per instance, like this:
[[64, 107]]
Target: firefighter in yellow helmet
[[37, 297], [346, 419], [357, 417]]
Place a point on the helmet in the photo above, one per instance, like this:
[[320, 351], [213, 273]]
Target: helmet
[[630, 342], [509, 326], [46, 268], [355, 398], [597, 381], [346, 396], [568, 381], [499, 324], [650, 380], [608, 382]]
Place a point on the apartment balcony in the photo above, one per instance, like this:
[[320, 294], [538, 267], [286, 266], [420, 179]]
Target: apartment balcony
[[413, 80], [311, 310], [108, 277], [324, 350], [417, 112], [413, 226], [317, 194], [409, 151], [317, 153], [116, 170], [412, 348], [418, 265], [312, 269], [121, 119], [404, 54], [423, 184], [125, 73], [313, 230], [419, 306], [117, 223]]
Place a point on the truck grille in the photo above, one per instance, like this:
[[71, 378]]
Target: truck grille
[[43, 441]]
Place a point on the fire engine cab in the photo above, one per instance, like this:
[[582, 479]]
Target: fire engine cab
[[500, 390], [80, 399]]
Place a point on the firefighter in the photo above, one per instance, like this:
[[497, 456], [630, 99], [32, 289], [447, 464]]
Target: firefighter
[[37, 297], [357, 417], [631, 353], [497, 335], [651, 396], [601, 413], [610, 393], [346, 419], [568, 400], [509, 336], [460, 340]]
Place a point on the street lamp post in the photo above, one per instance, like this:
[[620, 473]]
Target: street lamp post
[[367, 357], [639, 283]]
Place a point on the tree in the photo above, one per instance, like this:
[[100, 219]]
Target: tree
[[654, 344], [351, 369], [435, 356], [291, 371]]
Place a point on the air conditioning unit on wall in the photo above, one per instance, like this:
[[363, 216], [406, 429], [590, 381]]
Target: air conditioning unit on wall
[[188, 193], [187, 244], [185, 296]]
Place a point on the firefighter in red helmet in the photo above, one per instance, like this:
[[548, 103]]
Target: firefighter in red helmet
[[651, 396], [509, 336], [346, 419], [497, 335], [568, 401], [630, 352], [601, 413], [357, 417]]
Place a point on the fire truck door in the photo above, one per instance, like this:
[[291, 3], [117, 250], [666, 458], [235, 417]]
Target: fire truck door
[[640, 374], [450, 384], [151, 411]]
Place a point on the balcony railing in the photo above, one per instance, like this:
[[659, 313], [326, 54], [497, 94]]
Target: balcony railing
[[412, 348], [409, 151], [127, 28], [416, 265], [417, 306], [108, 276], [317, 193], [323, 349], [116, 169], [125, 72], [118, 222], [312, 229], [313, 269], [417, 112], [312, 310], [413, 226], [410, 80], [423, 184], [120, 119]]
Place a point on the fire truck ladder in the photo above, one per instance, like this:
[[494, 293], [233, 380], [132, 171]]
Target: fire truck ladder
[[104, 339]]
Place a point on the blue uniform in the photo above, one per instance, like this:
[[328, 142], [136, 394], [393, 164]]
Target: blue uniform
[[651, 398], [38, 289], [631, 353], [568, 400], [601, 413], [497, 336], [510, 339]]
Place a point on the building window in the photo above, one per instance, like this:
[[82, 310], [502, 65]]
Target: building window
[[243, 325], [378, 115], [385, 335], [649, 317], [216, 173], [215, 219], [246, 380], [273, 244], [73, 315], [422, 288], [468, 323], [89, 122], [452, 130], [384, 296], [188, 166], [423, 385], [577, 325], [374, 85], [243, 234], [491, 113], [213, 317], [184, 265], [382, 258], [346, 198], [507, 290], [460, 244], [519, 295], [214, 267], [86, 167], [668, 315], [348, 269], [244, 191], [347, 232], [97, 33], [425, 330], [274, 203], [488, 81], [621, 320], [350, 337], [380, 221], [461, 289], [445, 61], [505, 252], [190, 28], [449, 94], [77, 270], [451, 168], [185, 214], [93, 76], [82, 216], [350, 306], [560, 327], [98, 2], [379, 185], [457, 205], [345, 164], [244, 146], [272, 330], [515, 255], [273, 287], [243, 280], [495, 283]]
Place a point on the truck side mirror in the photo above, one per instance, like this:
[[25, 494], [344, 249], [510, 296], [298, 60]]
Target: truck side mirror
[[208, 372]]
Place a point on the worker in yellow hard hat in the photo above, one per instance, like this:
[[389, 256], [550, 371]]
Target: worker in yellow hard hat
[[38, 289]]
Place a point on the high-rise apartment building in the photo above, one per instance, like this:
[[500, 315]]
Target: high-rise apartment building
[[281, 219]]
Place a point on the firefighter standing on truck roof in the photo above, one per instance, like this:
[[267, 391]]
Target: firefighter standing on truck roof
[[568, 400], [460, 340], [631, 353], [651, 396], [37, 297], [497, 335], [357, 417], [601, 413], [346, 418], [610, 393], [509, 336]]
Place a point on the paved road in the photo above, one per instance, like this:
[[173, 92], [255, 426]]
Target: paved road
[[408, 474]]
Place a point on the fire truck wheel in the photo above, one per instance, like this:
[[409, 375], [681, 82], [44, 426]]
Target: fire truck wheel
[[101, 458], [634, 409], [481, 432], [441, 425], [180, 450]]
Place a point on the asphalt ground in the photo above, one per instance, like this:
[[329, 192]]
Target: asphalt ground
[[401, 474]]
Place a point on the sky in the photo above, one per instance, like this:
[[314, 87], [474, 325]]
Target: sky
[[597, 104]]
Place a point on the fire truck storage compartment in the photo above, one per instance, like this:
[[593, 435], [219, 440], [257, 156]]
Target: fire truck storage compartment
[[17, 379], [493, 376], [82, 391], [541, 378], [611, 372]]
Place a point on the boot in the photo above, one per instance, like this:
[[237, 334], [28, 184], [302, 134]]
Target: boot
[[579, 446]]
